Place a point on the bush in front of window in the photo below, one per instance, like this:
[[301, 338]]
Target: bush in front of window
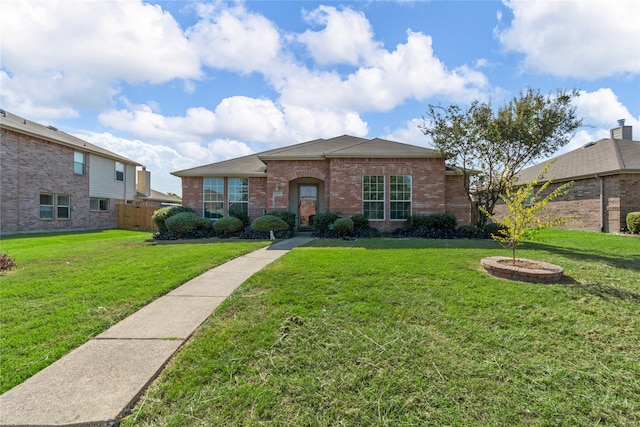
[[442, 221], [6, 263], [633, 222], [228, 226], [186, 222], [241, 215], [161, 215], [267, 223], [360, 222]]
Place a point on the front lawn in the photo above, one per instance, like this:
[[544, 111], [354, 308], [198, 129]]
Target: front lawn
[[70, 287], [414, 332]]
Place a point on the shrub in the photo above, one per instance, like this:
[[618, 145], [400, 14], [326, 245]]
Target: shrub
[[286, 216], [441, 221], [360, 222], [323, 220], [185, 222], [241, 215], [493, 229], [633, 222], [266, 223], [227, 226], [6, 263], [470, 230], [343, 226], [161, 215]]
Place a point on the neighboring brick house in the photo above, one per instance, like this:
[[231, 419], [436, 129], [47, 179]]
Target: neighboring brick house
[[52, 181], [384, 180], [606, 176]]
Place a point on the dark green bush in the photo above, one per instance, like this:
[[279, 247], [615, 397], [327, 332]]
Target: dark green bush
[[633, 222], [493, 228], [286, 216], [161, 215], [469, 230], [269, 223], [442, 221], [343, 226], [185, 222], [323, 220], [228, 225], [241, 215], [360, 222]]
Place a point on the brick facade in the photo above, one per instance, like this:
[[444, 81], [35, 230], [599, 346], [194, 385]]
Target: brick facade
[[32, 166], [591, 211], [339, 181]]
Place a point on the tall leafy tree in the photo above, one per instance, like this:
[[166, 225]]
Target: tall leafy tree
[[491, 147]]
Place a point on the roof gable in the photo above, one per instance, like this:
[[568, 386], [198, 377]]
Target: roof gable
[[344, 146], [603, 157], [49, 133]]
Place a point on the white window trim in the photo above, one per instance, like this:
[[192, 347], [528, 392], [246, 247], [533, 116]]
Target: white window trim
[[402, 201], [229, 202], [204, 201], [384, 197]]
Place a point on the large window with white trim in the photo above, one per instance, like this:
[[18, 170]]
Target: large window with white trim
[[63, 207], [98, 204], [213, 197], [119, 171], [46, 206], [373, 196], [238, 194], [399, 197]]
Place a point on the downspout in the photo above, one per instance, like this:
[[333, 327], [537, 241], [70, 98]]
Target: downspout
[[601, 202]]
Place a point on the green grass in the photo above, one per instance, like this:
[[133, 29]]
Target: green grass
[[414, 332], [70, 287]]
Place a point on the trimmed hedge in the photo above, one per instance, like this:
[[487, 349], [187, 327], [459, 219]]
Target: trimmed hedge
[[343, 226], [228, 225], [237, 213], [324, 220], [360, 222], [161, 215], [442, 221], [633, 222], [185, 222], [266, 223], [286, 216]]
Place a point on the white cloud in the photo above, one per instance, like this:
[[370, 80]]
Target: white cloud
[[602, 107], [234, 39], [575, 38], [410, 133], [73, 54], [347, 36]]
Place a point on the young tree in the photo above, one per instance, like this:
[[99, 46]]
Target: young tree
[[492, 147], [525, 204]]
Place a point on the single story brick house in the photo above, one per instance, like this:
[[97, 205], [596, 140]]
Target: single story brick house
[[386, 181], [606, 176], [53, 181]]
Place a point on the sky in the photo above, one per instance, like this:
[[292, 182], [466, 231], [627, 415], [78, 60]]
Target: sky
[[178, 84]]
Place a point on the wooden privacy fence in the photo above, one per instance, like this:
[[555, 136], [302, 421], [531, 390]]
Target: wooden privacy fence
[[136, 217]]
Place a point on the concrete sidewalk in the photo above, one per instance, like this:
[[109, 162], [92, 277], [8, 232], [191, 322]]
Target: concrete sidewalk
[[98, 382]]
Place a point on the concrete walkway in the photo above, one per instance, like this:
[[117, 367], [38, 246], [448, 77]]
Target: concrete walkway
[[100, 381]]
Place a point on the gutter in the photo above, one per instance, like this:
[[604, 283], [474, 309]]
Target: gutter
[[601, 179]]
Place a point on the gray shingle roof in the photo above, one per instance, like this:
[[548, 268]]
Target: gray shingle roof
[[49, 133], [603, 157], [317, 149]]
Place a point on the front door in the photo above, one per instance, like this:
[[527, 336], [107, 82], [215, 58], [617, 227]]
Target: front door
[[308, 205]]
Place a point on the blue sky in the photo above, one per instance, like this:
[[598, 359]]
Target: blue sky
[[178, 84]]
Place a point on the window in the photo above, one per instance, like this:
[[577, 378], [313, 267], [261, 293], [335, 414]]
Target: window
[[78, 163], [213, 197], [46, 206], [400, 197], [119, 171], [98, 204], [373, 196], [238, 191], [64, 206]]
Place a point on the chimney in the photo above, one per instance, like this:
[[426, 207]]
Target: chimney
[[622, 131], [143, 183]]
